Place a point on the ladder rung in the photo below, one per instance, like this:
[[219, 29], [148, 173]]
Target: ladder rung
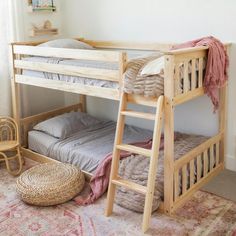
[[130, 185], [143, 115], [134, 149]]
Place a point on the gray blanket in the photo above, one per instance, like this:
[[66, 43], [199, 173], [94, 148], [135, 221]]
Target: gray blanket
[[87, 148]]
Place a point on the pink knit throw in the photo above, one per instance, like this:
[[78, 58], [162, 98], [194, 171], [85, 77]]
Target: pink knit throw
[[100, 180], [217, 64]]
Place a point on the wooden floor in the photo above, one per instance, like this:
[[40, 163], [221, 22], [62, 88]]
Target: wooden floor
[[223, 185]]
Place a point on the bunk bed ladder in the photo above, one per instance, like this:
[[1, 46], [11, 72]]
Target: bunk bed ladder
[[148, 190]]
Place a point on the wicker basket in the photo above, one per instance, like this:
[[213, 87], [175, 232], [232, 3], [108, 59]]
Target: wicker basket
[[50, 184]]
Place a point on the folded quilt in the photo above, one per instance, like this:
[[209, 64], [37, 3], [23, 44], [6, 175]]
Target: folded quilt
[[146, 85], [135, 168], [100, 180]]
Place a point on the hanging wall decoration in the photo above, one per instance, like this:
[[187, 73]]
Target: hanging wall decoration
[[42, 5]]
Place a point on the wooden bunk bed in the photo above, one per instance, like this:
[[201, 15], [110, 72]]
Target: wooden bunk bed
[[210, 153]]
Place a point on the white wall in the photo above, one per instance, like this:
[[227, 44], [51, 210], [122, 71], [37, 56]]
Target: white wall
[[163, 21], [36, 100], [5, 35]]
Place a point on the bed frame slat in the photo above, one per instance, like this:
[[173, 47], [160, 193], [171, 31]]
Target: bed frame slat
[[177, 184], [205, 160], [212, 157], [191, 166], [108, 93], [80, 54], [199, 167], [177, 80], [184, 179], [87, 72], [200, 72], [217, 153], [193, 74], [186, 76]]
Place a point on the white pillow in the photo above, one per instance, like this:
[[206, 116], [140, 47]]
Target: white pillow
[[64, 125], [66, 43], [155, 67]]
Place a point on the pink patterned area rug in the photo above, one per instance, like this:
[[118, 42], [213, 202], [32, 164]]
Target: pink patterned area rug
[[204, 214]]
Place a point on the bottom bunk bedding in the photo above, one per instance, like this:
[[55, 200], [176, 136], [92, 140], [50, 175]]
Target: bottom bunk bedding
[[135, 168], [87, 148]]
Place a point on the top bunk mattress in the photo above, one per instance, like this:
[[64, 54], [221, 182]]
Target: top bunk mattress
[[73, 79], [134, 82]]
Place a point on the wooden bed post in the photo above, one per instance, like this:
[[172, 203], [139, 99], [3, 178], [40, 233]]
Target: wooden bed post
[[169, 134], [223, 110], [15, 90], [15, 93], [82, 100], [122, 67], [222, 122]]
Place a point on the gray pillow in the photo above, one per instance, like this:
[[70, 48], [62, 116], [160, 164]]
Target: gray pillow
[[63, 126], [66, 43]]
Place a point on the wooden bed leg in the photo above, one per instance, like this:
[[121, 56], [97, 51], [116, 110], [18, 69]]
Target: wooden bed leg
[[222, 122], [15, 101], [169, 135], [15, 93], [82, 99]]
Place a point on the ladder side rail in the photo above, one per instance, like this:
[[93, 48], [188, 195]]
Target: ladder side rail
[[118, 137], [153, 164]]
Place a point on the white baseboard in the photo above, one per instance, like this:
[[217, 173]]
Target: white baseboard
[[230, 163]]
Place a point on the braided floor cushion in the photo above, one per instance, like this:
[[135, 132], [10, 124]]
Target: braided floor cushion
[[50, 184]]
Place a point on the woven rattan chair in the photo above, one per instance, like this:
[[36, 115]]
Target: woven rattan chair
[[9, 144]]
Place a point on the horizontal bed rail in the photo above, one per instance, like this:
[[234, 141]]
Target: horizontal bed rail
[[87, 72], [77, 88], [80, 54], [129, 45]]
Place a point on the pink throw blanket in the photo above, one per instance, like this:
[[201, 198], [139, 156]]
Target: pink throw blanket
[[100, 180], [217, 64]]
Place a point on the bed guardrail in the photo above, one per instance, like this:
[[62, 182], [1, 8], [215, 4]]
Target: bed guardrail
[[27, 123], [113, 75], [184, 68], [192, 170]]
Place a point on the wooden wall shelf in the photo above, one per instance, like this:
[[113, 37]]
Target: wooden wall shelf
[[43, 32], [41, 9]]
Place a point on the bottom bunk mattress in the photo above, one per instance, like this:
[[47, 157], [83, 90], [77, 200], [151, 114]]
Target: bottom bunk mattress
[[85, 148]]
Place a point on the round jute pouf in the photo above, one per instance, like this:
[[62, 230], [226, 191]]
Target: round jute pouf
[[50, 184]]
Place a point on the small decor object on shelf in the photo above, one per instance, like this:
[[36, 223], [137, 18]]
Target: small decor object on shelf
[[41, 5], [46, 29], [10, 144], [47, 24]]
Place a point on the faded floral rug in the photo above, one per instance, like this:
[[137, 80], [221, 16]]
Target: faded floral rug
[[204, 214]]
